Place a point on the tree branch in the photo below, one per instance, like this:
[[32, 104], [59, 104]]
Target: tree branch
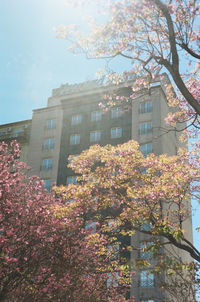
[[163, 8], [194, 253], [179, 83], [189, 50]]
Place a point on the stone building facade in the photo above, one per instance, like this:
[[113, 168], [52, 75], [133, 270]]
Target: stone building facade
[[19, 131]]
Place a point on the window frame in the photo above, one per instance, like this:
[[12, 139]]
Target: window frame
[[47, 187], [75, 119], [50, 124], [116, 136], [147, 280], [76, 142], [96, 116], [97, 137], [145, 108], [145, 255], [145, 128], [116, 112], [49, 145], [49, 164], [112, 280], [146, 152]]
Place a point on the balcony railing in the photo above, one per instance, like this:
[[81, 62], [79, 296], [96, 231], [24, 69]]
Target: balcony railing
[[11, 135]]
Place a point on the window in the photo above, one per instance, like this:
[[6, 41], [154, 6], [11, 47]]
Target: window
[[146, 279], [146, 149], [116, 132], [47, 164], [145, 107], [145, 128], [147, 300], [47, 184], [50, 124], [154, 84], [145, 254], [76, 119], [75, 139], [71, 180], [49, 144], [2, 133], [95, 136], [146, 227], [113, 251], [112, 280], [96, 116], [17, 132], [91, 227], [116, 112]]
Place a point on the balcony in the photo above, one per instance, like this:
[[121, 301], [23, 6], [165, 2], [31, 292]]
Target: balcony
[[21, 134]]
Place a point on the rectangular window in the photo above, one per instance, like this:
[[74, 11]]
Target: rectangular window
[[145, 107], [47, 184], [116, 112], [146, 279], [146, 227], [91, 227], [116, 132], [95, 136], [146, 149], [71, 180], [17, 132], [145, 254], [76, 119], [96, 116], [145, 128], [112, 280], [49, 143], [75, 139], [47, 164], [113, 251], [2, 133], [51, 124]]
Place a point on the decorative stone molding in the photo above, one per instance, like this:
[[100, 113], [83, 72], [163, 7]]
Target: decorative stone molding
[[67, 89]]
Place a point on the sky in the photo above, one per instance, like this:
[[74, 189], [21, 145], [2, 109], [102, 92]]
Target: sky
[[33, 61]]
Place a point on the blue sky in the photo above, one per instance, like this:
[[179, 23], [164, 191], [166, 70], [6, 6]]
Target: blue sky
[[33, 61]]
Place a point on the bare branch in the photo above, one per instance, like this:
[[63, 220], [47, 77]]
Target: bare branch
[[189, 50]]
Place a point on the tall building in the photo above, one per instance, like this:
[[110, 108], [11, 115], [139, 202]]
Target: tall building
[[73, 120]]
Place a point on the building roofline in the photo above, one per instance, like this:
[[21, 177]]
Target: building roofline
[[17, 123], [74, 91], [47, 108]]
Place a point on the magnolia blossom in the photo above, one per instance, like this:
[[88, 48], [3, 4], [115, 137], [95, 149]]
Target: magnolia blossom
[[155, 36]]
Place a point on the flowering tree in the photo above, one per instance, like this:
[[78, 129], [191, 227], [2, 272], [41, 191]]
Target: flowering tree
[[46, 251], [148, 194], [155, 36]]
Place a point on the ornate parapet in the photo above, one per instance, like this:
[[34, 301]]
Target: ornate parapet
[[69, 89]]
